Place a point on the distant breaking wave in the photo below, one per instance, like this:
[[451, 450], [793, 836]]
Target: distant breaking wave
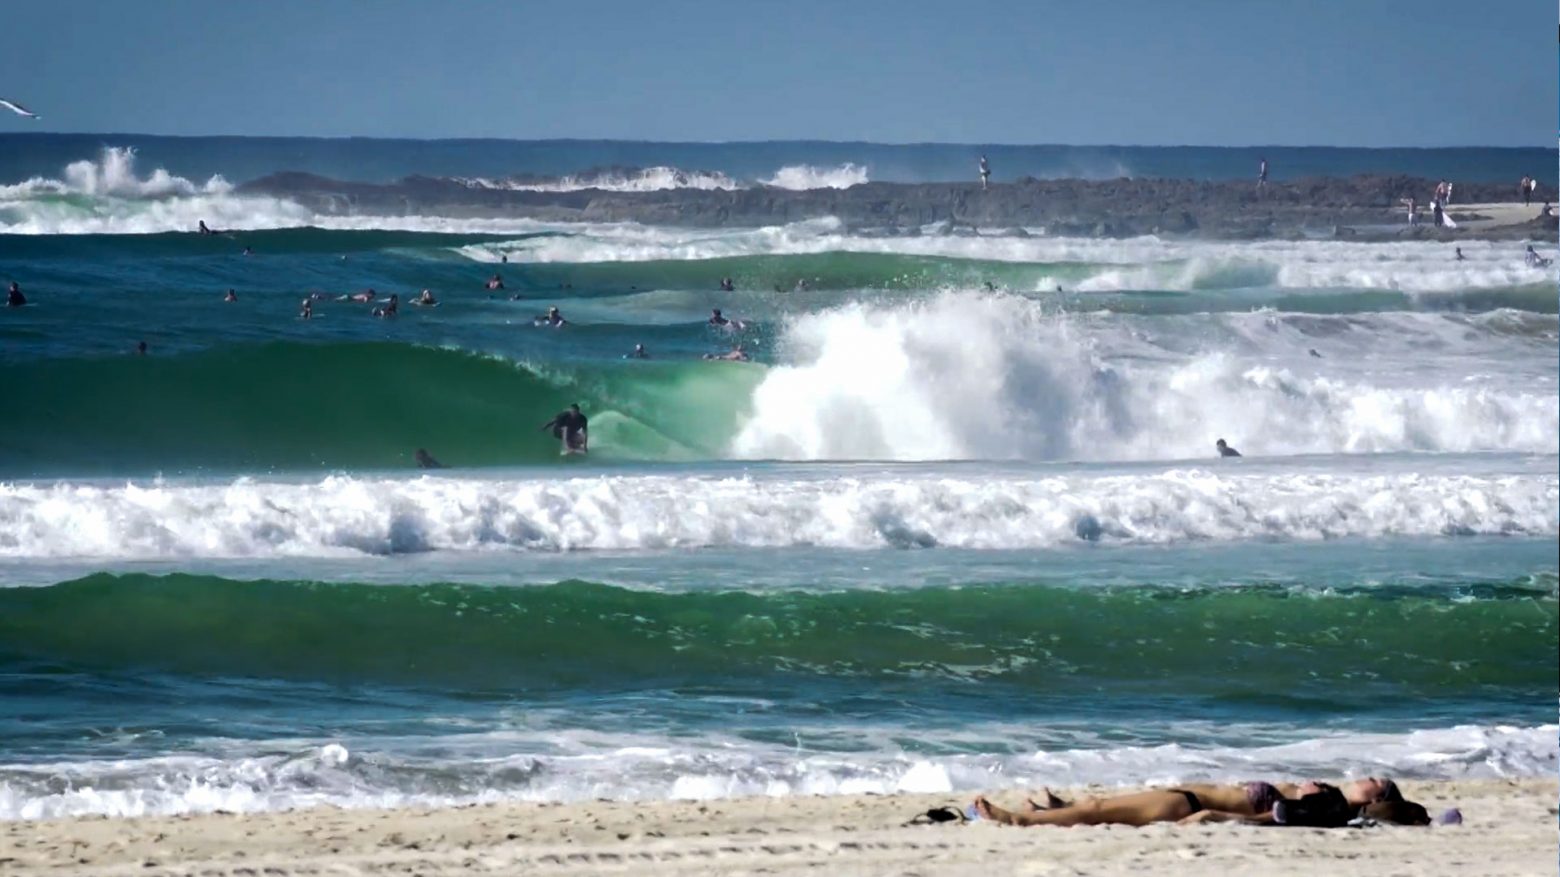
[[655, 179], [802, 176], [107, 196], [650, 179]]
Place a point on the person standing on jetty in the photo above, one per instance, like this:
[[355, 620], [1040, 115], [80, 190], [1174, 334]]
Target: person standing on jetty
[[985, 173]]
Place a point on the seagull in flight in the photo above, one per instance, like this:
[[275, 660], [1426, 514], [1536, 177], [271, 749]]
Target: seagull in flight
[[18, 109]]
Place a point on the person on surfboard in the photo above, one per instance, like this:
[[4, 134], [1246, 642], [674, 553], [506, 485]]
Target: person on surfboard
[[570, 427]]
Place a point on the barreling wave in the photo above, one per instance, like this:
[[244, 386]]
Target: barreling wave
[[954, 377], [290, 406], [576, 635], [353, 516]]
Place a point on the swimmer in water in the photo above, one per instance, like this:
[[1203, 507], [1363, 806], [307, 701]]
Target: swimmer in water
[[425, 460], [231, 296], [1460, 256], [495, 282], [1225, 450], [717, 320], [363, 297], [203, 229], [638, 353], [391, 308], [736, 354], [14, 297], [248, 251], [553, 318], [425, 298], [140, 349]]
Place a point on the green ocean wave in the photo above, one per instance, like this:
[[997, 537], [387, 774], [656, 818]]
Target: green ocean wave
[[1248, 642], [286, 406]]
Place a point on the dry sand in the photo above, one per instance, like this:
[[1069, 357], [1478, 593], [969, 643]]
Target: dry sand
[[1510, 829]]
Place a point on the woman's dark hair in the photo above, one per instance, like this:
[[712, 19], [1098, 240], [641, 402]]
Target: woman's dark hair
[[1398, 812]]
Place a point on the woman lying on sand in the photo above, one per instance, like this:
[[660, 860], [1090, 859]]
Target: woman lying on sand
[[1254, 803]]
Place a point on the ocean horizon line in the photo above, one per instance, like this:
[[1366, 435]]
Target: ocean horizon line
[[766, 141]]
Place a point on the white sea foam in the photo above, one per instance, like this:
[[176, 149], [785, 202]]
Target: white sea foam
[[650, 179], [964, 376], [805, 176], [578, 765], [345, 516], [661, 178], [1083, 265], [107, 197]]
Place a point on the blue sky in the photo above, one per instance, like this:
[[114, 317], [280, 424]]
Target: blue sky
[[1203, 72]]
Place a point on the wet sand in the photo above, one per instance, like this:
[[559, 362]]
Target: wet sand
[[1510, 829]]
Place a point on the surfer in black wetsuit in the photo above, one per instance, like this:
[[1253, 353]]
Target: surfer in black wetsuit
[[14, 297], [570, 427], [425, 460], [1225, 450], [203, 229], [717, 320], [639, 353]]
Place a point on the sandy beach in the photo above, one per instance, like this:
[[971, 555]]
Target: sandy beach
[[1510, 829]]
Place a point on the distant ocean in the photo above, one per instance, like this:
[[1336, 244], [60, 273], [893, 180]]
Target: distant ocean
[[951, 529]]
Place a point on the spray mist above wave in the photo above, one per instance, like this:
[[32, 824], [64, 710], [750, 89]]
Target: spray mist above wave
[[344, 516], [800, 177], [107, 197], [965, 376], [650, 179], [662, 178]]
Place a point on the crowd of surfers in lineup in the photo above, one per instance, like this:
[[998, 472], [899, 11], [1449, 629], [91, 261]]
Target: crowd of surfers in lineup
[[570, 425]]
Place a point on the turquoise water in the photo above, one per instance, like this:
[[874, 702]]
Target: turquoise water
[[949, 529]]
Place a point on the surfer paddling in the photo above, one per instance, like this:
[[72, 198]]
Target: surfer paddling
[[570, 427], [736, 354], [14, 297]]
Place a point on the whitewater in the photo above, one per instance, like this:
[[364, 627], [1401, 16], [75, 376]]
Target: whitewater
[[959, 522]]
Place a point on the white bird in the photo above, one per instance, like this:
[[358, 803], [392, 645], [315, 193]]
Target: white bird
[[18, 109]]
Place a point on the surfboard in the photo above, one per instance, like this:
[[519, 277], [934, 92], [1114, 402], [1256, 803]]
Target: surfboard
[[1446, 219]]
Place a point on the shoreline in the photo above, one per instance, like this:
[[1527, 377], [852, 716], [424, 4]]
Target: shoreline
[[1361, 208], [1510, 829]]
